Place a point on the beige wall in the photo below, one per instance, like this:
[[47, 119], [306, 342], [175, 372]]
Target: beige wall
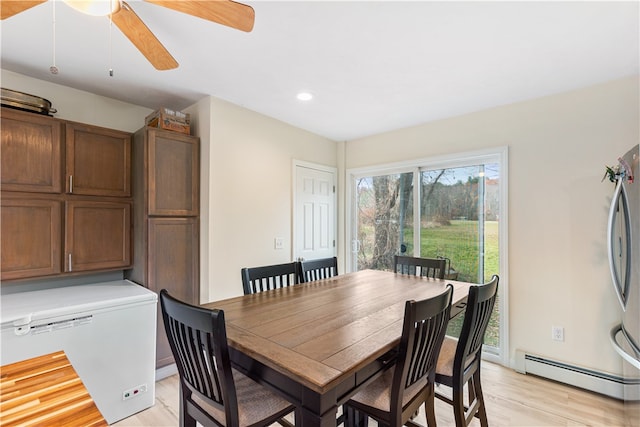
[[80, 106], [250, 163], [558, 147]]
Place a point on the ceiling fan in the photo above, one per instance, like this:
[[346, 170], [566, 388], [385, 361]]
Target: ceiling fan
[[225, 12]]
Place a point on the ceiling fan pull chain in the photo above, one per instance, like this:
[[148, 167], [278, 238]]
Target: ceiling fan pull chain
[[110, 40], [53, 68]]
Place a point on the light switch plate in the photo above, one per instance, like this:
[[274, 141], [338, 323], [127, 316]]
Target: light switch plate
[[278, 243]]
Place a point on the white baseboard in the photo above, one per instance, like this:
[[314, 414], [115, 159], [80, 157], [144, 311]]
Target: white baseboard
[[589, 379], [166, 371]]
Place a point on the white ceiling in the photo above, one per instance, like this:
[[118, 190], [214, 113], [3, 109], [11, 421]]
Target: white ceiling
[[372, 66]]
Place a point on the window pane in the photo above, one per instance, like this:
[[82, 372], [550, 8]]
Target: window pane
[[384, 219], [459, 221], [449, 225]]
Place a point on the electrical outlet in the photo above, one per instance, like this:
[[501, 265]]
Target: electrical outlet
[[557, 333], [133, 392]]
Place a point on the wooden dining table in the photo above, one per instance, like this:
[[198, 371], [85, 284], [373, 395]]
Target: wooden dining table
[[317, 343], [46, 391]]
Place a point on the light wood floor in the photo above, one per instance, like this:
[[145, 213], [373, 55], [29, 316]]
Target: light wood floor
[[512, 400]]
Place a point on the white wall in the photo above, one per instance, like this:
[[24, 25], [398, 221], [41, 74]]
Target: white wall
[[79, 106], [250, 159], [201, 126], [558, 148]]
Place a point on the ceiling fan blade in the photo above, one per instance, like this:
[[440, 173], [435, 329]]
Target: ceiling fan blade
[[226, 12], [8, 8], [142, 37]]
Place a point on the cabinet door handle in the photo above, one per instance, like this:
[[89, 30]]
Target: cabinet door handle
[[70, 268], [70, 183]]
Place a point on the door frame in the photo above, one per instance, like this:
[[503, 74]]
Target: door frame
[[294, 220]]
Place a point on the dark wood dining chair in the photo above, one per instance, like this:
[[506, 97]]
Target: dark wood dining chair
[[316, 269], [259, 279], [212, 393], [393, 398], [428, 267], [459, 361]]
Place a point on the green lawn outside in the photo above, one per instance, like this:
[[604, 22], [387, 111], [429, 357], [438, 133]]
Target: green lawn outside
[[458, 242]]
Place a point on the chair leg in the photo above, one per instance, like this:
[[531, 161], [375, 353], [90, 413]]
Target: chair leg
[[430, 408], [477, 387], [185, 420], [458, 405]]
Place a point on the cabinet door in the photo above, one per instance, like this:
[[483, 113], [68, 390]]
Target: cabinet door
[[173, 173], [97, 235], [30, 237], [98, 161], [173, 264], [30, 151]]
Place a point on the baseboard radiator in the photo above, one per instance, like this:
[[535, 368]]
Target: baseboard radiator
[[588, 379]]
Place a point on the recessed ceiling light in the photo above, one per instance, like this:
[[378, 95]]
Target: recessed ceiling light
[[304, 96]]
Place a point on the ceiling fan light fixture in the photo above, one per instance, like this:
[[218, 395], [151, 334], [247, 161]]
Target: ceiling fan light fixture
[[95, 7]]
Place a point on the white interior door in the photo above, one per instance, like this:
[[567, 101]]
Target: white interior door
[[315, 211]]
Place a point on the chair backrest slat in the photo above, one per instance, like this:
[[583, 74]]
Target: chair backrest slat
[[480, 305], [260, 279], [318, 269], [416, 266], [198, 340], [424, 327]]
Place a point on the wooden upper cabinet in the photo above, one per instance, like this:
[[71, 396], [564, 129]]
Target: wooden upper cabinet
[[31, 152], [30, 236], [97, 235], [173, 173], [98, 161], [81, 219]]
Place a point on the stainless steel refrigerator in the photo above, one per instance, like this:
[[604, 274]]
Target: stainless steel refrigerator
[[624, 261]]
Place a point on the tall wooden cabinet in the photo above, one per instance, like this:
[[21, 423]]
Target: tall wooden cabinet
[[166, 176], [66, 197]]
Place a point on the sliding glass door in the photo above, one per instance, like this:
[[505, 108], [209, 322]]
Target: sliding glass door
[[450, 209]]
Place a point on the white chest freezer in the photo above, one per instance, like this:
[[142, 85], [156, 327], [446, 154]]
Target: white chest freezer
[[107, 330]]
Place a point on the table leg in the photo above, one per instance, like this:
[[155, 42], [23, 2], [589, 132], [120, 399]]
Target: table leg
[[308, 418]]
